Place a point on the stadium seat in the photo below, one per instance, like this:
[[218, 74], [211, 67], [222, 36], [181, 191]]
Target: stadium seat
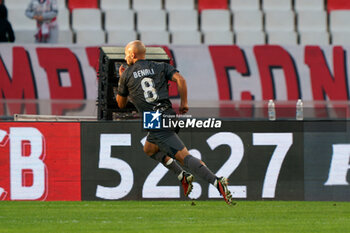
[[210, 4], [20, 21], [245, 5], [81, 19], [63, 19], [151, 20], [61, 4], [186, 38], [90, 37], [314, 38], [155, 37], [250, 38], [171, 5], [215, 20], [182, 20], [218, 38], [312, 21], [283, 38], [341, 38], [279, 21], [339, 20], [25, 36], [78, 4], [309, 5], [16, 4], [65, 37], [117, 19], [121, 37], [140, 5], [338, 5], [113, 4], [251, 20], [276, 5]]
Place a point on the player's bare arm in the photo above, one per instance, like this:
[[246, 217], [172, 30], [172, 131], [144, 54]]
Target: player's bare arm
[[122, 101], [182, 88]]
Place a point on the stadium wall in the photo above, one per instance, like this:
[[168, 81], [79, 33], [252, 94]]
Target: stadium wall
[[281, 160], [259, 72]]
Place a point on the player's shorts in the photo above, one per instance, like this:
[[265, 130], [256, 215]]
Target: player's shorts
[[167, 141]]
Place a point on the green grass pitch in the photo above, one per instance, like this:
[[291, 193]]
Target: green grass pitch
[[174, 216]]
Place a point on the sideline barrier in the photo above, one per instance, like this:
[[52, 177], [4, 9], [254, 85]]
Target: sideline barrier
[[279, 160], [28, 117], [239, 110]]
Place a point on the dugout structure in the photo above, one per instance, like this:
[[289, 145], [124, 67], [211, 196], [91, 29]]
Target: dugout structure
[[111, 58]]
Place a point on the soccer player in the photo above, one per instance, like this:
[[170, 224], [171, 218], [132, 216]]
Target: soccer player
[[145, 83]]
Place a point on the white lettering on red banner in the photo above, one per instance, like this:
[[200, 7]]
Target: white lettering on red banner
[[260, 72]]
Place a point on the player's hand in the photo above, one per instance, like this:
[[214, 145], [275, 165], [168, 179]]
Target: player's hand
[[39, 18], [183, 108], [121, 70]]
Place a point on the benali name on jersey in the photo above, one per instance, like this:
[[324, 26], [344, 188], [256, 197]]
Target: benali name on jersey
[[143, 73]]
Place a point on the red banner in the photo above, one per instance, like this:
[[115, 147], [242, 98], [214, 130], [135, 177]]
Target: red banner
[[261, 72], [40, 161]]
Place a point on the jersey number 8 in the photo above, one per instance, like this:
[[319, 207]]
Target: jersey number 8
[[149, 91]]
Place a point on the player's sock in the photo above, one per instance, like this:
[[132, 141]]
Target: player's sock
[[159, 156], [172, 165], [198, 168]]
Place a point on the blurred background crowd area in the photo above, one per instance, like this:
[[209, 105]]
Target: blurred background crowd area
[[189, 22]]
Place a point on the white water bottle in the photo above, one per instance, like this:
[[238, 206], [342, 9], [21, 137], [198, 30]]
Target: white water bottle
[[299, 110], [271, 110]]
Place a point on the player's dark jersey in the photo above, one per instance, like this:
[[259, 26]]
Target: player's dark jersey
[[146, 84]]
